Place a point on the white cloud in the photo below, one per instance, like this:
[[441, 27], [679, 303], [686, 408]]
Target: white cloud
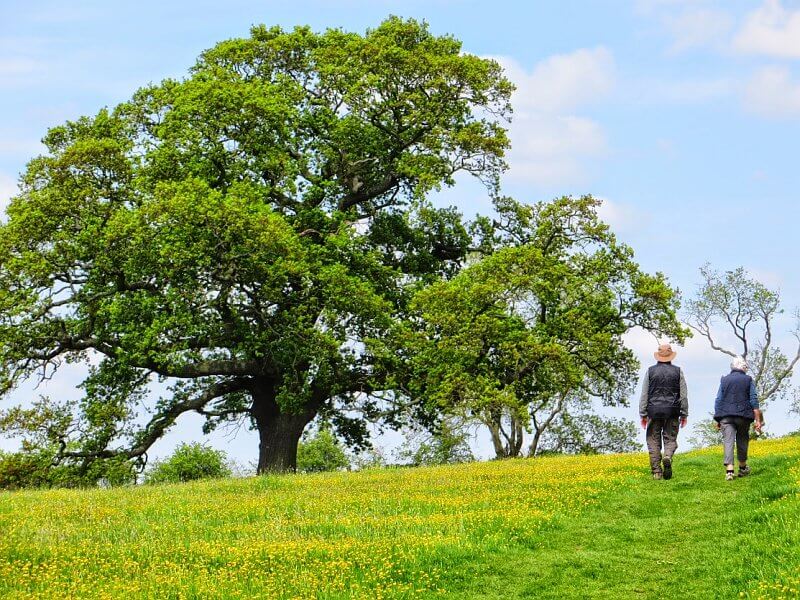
[[685, 91], [698, 28], [549, 143], [621, 217], [561, 82], [770, 30], [8, 188], [550, 149], [772, 92]]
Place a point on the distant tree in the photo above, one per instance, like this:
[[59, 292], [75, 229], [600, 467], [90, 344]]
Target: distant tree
[[36, 464], [446, 444], [321, 451], [538, 319], [189, 462], [737, 305], [368, 458], [243, 234], [705, 433], [578, 431]]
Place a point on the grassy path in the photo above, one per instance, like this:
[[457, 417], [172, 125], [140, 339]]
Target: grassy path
[[696, 536]]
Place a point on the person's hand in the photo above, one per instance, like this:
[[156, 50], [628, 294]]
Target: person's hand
[[683, 422], [644, 422], [759, 425], [717, 425]]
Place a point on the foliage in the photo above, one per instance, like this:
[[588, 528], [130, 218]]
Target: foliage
[[538, 321], [321, 452], [587, 433], [37, 469], [744, 309], [245, 234], [447, 445], [705, 434], [189, 462], [373, 457]]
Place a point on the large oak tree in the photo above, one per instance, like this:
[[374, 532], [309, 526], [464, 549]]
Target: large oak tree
[[243, 234]]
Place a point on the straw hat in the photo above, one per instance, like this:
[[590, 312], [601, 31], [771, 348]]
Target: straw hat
[[665, 353]]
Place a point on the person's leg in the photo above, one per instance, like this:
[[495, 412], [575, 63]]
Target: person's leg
[[654, 427], [670, 434], [742, 444], [728, 440]]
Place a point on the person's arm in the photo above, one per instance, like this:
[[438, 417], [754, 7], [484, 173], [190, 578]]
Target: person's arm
[[684, 401], [755, 406], [644, 398], [717, 401]]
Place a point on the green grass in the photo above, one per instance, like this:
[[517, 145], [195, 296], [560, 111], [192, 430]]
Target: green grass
[[695, 536], [563, 527]]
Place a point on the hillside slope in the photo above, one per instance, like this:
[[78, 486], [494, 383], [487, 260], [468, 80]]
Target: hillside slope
[[564, 527]]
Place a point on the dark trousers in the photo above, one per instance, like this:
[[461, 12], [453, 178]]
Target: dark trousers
[[662, 432], [735, 430]]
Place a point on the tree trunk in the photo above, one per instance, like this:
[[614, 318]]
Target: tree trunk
[[279, 433], [534, 447]]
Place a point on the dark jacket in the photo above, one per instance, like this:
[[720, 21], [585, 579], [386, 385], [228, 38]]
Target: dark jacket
[[663, 391], [736, 396]]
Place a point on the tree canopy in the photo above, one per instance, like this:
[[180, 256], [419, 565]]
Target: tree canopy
[[536, 325], [242, 234]]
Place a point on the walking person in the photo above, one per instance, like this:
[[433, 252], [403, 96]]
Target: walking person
[[663, 408], [735, 408]]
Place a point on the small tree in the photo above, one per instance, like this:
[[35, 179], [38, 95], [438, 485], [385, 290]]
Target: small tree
[[578, 431], [705, 434], [513, 337], [737, 304], [187, 463], [321, 451], [447, 444]]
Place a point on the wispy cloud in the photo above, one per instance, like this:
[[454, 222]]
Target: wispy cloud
[[771, 30], [698, 28], [772, 92], [621, 217], [549, 141], [562, 82], [8, 188]]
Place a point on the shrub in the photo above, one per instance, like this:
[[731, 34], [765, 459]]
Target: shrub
[[188, 463], [321, 452], [35, 469]]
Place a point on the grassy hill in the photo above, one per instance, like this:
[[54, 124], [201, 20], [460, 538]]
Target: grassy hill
[[564, 527]]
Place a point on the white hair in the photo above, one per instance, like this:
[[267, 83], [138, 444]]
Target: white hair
[[739, 363]]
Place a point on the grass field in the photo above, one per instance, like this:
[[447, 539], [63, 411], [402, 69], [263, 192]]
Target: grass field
[[565, 527]]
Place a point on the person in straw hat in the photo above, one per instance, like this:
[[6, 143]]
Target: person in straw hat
[[735, 408], [663, 408]]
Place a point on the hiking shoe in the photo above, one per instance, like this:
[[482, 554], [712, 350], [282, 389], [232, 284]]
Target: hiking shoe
[[728, 475], [744, 471], [657, 476], [667, 468]]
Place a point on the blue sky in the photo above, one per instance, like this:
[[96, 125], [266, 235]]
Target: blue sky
[[683, 115]]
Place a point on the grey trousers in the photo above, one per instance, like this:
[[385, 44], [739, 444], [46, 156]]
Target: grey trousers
[[735, 430], [661, 431]]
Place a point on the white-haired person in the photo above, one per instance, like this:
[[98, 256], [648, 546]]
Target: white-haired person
[[735, 409]]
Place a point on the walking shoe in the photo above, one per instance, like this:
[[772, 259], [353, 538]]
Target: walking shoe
[[657, 476], [667, 468], [744, 471], [728, 475]]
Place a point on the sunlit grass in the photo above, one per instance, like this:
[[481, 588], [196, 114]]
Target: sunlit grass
[[378, 534]]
